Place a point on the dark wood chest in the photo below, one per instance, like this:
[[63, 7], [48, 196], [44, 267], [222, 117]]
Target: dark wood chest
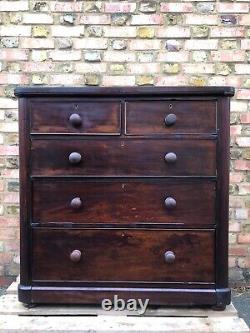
[[124, 191]]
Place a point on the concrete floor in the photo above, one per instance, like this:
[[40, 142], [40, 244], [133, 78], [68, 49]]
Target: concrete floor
[[240, 299]]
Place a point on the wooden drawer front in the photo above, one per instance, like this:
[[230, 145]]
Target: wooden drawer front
[[122, 255], [124, 201], [123, 157], [88, 117], [148, 117]]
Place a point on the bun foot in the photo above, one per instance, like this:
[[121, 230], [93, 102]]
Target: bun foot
[[218, 307]]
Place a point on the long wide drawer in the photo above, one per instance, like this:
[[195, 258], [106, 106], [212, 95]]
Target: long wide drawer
[[124, 201], [67, 116], [148, 157], [170, 117], [123, 255]]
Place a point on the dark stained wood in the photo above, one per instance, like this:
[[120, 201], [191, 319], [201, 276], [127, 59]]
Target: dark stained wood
[[148, 117], [123, 157], [223, 194], [127, 217], [51, 116], [92, 295], [124, 91], [124, 201], [123, 255]]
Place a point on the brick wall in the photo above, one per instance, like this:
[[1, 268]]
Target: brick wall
[[126, 43]]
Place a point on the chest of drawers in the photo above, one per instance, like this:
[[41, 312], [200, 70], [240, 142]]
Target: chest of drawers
[[124, 191]]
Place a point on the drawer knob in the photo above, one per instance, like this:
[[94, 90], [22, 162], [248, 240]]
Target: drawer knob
[[170, 158], [76, 203], [75, 158], [170, 203], [170, 119], [169, 257], [75, 255], [75, 119]]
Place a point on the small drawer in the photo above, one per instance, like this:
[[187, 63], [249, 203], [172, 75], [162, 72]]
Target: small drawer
[[123, 255], [170, 117], [125, 201], [53, 116], [137, 157]]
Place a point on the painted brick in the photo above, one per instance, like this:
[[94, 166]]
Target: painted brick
[[198, 68], [118, 80], [119, 7], [65, 55], [173, 32], [145, 44], [32, 43], [116, 56], [201, 19], [35, 18], [120, 32], [242, 68], [13, 30], [82, 67], [243, 141], [174, 80], [245, 44], [62, 31], [91, 43], [154, 19], [231, 7], [67, 79], [143, 68], [13, 6], [181, 56], [202, 44]]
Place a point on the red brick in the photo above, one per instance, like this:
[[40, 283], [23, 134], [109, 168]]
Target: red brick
[[236, 177], [243, 94], [235, 130], [11, 197], [242, 165], [176, 7], [227, 32], [10, 78], [244, 238], [39, 66], [245, 118], [238, 251], [8, 150], [228, 55], [154, 19], [13, 54], [119, 7]]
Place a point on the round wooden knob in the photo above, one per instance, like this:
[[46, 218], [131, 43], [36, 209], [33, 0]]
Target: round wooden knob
[[75, 255], [170, 158], [76, 203], [75, 119], [170, 203], [75, 158], [169, 257], [170, 119]]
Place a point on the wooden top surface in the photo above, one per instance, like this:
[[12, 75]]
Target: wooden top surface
[[120, 91]]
